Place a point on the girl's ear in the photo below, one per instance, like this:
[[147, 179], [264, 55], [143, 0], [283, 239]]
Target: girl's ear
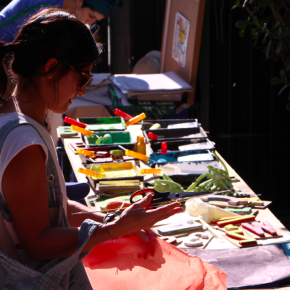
[[50, 64]]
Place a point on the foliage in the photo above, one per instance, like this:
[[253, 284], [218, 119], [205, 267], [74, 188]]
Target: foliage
[[269, 21]]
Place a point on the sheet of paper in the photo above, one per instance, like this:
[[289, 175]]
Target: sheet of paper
[[195, 157], [161, 82], [98, 79], [208, 145], [183, 125]]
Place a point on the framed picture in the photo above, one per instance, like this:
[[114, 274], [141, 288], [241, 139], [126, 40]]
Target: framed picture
[[181, 39]]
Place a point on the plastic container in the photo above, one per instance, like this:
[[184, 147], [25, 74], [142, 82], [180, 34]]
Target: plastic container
[[140, 145], [104, 123]]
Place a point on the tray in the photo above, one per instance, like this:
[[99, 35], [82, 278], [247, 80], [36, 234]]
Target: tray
[[174, 145], [118, 138], [180, 157], [146, 124], [98, 159], [113, 174], [176, 134], [187, 167], [104, 124]]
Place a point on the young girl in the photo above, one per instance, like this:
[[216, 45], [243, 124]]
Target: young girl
[[41, 242]]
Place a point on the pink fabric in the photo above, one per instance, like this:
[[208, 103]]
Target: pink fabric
[[129, 264]]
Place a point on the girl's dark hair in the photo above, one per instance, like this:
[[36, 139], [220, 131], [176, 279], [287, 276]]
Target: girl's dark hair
[[51, 33]]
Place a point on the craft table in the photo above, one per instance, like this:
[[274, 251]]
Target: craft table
[[265, 214]]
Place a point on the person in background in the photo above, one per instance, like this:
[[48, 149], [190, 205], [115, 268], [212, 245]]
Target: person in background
[[17, 12], [42, 241]]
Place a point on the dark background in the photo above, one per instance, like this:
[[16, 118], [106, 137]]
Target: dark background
[[235, 101]]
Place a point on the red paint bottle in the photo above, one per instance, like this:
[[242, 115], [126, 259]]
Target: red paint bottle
[[152, 136], [163, 148]]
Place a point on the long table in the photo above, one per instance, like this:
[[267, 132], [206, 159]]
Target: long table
[[265, 214]]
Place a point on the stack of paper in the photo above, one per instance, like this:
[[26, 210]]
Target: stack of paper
[[163, 86]]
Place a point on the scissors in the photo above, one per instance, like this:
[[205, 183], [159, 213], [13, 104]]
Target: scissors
[[165, 196]]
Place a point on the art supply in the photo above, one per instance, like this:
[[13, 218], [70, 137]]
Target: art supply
[[135, 119], [155, 126], [90, 173], [179, 228], [66, 132], [241, 211], [107, 139], [87, 153], [190, 243], [116, 154], [268, 228], [161, 197], [116, 138], [140, 145], [137, 155], [222, 222], [151, 171], [255, 228], [75, 123], [123, 114], [243, 240], [170, 169], [152, 136], [104, 123], [211, 229], [83, 131], [98, 142], [163, 148], [182, 125], [196, 157], [206, 145]]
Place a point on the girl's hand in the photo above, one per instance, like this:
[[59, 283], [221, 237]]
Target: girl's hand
[[139, 216]]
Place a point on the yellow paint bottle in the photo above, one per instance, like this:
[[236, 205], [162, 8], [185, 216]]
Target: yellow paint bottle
[[140, 145]]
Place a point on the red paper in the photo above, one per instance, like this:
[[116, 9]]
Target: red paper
[[130, 264]]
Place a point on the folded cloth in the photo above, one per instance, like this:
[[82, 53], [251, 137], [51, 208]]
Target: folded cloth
[[128, 263]]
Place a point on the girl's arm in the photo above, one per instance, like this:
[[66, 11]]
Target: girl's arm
[[24, 188], [75, 220]]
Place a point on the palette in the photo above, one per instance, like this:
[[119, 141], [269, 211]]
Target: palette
[[113, 171], [102, 153], [116, 138], [175, 134], [183, 160], [104, 124], [183, 145], [173, 123]]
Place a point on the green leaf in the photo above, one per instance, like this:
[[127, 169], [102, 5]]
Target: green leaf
[[243, 23], [237, 2], [287, 63], [282, 90], [242, 32], [235, 6], [283, 76], [276, 81], [288, 107], [268, 49], [263, 3], [265, 38], [279, 46]]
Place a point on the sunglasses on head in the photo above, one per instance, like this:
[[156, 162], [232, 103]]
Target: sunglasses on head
[[84, 77]]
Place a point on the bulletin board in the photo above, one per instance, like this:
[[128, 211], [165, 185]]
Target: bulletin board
[[181, 40]]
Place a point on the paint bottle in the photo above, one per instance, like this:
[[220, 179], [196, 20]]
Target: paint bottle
[[163, 148], [140, 145], [152, 136]]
